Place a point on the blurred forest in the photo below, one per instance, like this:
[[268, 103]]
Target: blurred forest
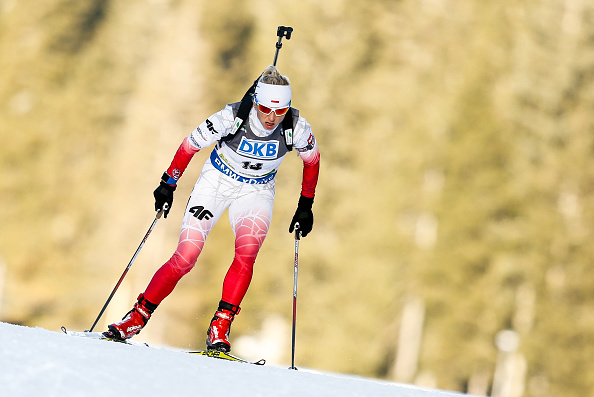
[[455, 207]]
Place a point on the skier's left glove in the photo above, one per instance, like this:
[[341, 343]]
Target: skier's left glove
[[164, 194], [303, 216]]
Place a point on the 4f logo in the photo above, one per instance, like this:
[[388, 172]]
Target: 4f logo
[[200, 213], [211, 127]]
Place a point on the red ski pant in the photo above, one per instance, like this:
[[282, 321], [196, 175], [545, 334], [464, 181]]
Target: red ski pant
[[250, 213]]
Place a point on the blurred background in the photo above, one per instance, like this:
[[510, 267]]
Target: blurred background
[[454, 212]]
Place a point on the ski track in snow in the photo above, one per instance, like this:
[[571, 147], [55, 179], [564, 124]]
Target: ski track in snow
[[39, 362]]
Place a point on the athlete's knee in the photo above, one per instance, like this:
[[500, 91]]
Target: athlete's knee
[[181, 264], [246, 253]]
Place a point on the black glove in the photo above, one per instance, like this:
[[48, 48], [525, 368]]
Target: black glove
[[303, 216], [164, 194]]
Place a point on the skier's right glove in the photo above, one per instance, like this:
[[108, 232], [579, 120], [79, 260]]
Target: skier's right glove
[[164, 194]]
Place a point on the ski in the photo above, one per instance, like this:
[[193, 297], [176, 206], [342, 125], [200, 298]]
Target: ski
[[209, 353], [226, 356], [102, 336]]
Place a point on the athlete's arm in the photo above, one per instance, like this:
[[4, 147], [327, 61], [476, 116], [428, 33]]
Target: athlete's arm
[[211, 130], [306, 146]]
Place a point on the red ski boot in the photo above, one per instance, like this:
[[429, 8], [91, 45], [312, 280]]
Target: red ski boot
[[220, 326], [133, 321]]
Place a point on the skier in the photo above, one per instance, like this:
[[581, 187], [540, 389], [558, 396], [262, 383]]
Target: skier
[[238, 176]]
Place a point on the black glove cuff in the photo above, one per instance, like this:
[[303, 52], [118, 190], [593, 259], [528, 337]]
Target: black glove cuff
[[166, 185], [305, 202]]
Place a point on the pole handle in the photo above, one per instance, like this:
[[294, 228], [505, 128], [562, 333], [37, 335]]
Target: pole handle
[[162, 210], [284, 31]]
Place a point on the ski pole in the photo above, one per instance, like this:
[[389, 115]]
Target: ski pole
[[282, 31], [296, 271], [157, 217]]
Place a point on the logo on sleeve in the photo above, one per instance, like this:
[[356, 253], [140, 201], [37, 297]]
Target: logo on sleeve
[[210, 126], [258, 149]]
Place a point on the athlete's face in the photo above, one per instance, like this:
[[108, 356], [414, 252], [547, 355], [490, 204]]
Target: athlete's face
[[270, 121]]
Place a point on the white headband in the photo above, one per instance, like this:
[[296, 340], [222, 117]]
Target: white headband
[[273, 96]]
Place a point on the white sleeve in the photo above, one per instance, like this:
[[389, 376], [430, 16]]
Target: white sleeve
[[303, 137], [213, 128]]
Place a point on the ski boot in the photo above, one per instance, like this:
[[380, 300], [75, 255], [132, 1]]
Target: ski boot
[[133, 321], [220, 326]]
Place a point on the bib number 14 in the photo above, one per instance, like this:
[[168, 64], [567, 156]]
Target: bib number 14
[[248, 165]]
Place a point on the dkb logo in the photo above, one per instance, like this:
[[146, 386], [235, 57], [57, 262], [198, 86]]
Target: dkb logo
[[258, 149]]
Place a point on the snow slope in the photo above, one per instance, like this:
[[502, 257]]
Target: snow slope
[[38, 362]]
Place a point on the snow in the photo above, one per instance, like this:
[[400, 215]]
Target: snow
[[39, 362]]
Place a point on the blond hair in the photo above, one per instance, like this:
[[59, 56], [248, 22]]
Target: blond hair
[[272, 76]]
